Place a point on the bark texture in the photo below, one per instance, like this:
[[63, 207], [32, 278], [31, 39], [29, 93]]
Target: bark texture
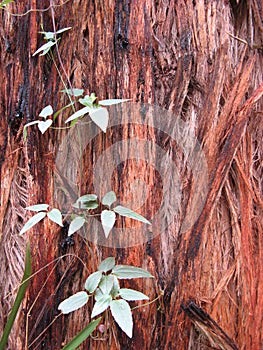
[[202, 61]]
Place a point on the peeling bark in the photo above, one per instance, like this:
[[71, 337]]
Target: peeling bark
[[200, 60]]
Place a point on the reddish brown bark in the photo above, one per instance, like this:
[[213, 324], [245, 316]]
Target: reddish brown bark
[[187, 57]]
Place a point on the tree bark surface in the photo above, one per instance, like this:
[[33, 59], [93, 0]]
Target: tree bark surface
[[202, 62]]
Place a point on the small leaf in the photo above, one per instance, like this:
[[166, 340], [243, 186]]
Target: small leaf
[[100, 117], [45, 47], [63, 30], [106, 284], [116, 287], [55, 216], [48, 35], [88, 201], [48, 110], [82, 336], [93, 281], [74, 302], [109, 198], [131, 295], [123, 211], [107, 264], [98, 294], [26, 126], [5, 2], [121, 313], [108, 218], [127, 272], [88, 100], [38, 207], [73, 92], [101, 305], [79, 113], [32, 222], [44, 125], [113, 102], [75, 225]]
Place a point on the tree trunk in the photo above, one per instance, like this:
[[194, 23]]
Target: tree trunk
[[201, 62]]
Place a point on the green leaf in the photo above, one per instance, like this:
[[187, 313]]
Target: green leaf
[[98, 294], [26, 126], [73, 92], [88, 201], [19, 298], [121, 313], [79, 113], [116, 287], [48, 35], [74, 302], [106, 284], [113, 101], [127, 272], [107, 264], [32, 222], [44, 125], [76, 224], [123, 211], [48, 110], [93, 281], [55, 216], [45, 47], [88, 100], [101, 305], [5, 2], [100, 117], [108, 218], [82, 336], [131, 295], [63, 30], [109, 198], [38, 207]]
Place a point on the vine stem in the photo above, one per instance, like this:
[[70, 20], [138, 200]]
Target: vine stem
[[59, 57]]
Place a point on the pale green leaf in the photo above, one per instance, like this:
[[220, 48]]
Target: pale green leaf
[[38, 207], [101, 305], [107, 264], [116, 287], [88, 201], [5, 2], [44, 47], [100, 117], [121, 313], [127, 272], [131, 295], [88, 100], [73, 92], [123, 211], [109, 198], [48, 35], [98, 294], [112, 101], [108, 218], [55, 216], [48, 110], [33, 221], [44, 125], [106, 284], [75, 225], [63, 30], [79, 113], [93, 281], [74, 302]]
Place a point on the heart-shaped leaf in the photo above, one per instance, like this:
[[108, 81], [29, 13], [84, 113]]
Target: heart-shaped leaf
[[55, 216], [44, 125], [75, 225], [100, 117], [108, 218], [48, 110]]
